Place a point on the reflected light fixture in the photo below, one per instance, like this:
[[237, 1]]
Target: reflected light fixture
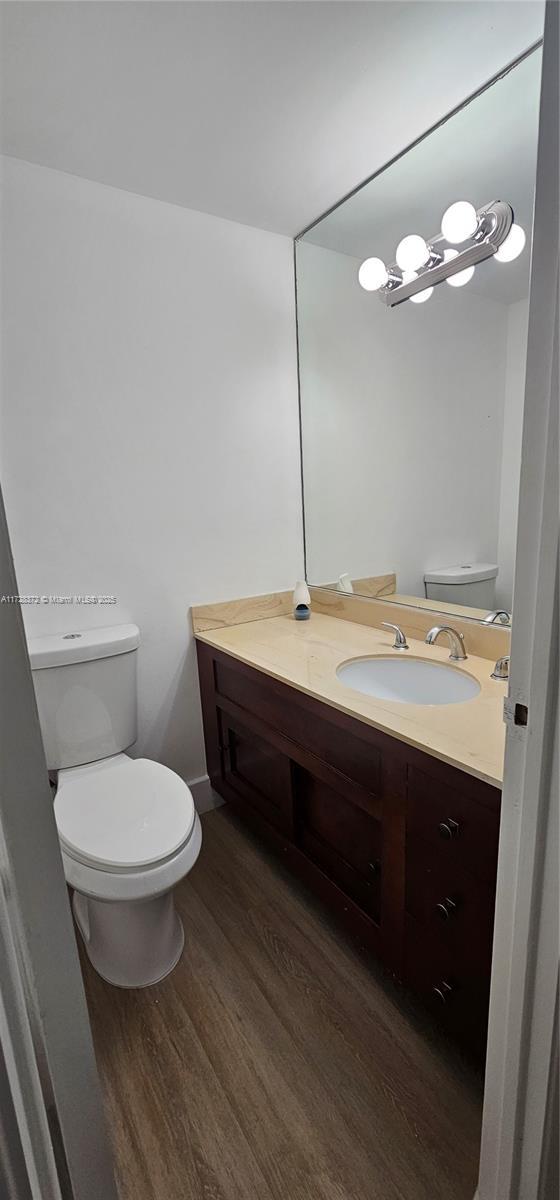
[[468, 236], [463, 276], [459, 222], [373, 274], [412, 253], [513, 245], [420, 297]]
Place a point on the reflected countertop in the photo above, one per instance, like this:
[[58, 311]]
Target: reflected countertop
[[305, 655]]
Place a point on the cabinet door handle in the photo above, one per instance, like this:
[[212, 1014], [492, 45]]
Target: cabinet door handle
[[446, 908], [442, 991], [449, 829], [375, 866]]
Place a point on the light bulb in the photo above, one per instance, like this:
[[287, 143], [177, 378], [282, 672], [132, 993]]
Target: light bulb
[[373, 274], [459, 222], [461, 277], [420, 297], [513, 245], [412, 252]]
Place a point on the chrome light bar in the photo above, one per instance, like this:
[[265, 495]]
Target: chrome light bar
[[494, 222]]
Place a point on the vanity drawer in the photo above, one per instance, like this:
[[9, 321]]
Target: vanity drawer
[[341, 838], [464, 832], [259, 775], [353, 757], [454, 907], [447, 986]]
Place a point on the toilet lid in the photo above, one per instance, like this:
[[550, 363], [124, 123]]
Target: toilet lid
[[462, 573], [122, 812]]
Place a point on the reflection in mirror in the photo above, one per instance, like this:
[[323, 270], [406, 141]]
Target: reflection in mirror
[[412, 363]]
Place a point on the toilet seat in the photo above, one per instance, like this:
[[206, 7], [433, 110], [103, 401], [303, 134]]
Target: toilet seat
[[123, 815], [130, 886]]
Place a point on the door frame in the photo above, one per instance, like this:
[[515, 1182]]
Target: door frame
[[518, 1142], [51, 1115]]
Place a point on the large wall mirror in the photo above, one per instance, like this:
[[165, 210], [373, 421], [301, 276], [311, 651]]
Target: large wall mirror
[[411, 409]]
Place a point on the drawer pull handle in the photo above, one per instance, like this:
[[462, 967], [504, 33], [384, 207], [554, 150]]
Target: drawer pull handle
[[449, 829], [446, 908], [442, 991]]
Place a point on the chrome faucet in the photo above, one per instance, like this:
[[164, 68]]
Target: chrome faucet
[[501, 670], [400, 642], [498, 614], [456, 640]]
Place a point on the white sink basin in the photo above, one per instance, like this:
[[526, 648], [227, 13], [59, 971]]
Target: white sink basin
[[408, 680]]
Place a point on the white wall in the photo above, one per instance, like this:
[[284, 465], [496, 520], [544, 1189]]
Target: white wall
[[150, 431], [402, 422], [516, 353], [263, 113]]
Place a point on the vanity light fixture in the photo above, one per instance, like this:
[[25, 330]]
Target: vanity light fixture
[[373, 274], [513, 245], [420, 297], [463, 276], [459, 222], [468, 236], [412, 253]]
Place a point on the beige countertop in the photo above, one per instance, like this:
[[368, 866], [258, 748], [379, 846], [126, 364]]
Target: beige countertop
[[306, 654]]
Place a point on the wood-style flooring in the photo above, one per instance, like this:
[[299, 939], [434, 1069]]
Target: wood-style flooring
[[276, 1062]]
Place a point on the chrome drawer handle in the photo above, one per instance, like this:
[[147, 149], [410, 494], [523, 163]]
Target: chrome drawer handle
[[449, 829], [442, 991], [446, 908]]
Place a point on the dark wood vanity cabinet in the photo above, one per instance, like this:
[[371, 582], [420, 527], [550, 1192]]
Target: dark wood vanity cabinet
[[402, 846]]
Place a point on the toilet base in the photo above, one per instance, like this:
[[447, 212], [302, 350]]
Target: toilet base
[[130, 944]]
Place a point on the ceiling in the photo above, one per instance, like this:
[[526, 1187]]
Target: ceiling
[[488, 151], [265, 113]]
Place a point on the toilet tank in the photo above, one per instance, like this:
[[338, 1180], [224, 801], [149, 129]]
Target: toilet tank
[[85, 684], [471, 584]]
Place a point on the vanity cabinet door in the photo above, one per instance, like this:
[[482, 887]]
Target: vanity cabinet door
[[341, 837], [258, 774]]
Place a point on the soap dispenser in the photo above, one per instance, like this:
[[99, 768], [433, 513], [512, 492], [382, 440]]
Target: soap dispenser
[[302, 601]]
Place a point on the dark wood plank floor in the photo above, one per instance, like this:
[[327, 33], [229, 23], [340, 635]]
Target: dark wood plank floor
[[276, 1062]]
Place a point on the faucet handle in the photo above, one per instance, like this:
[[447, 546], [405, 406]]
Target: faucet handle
[[501, 670], [400, 642]]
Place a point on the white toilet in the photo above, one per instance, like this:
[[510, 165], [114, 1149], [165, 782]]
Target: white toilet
[[472, 584], [128, 827]]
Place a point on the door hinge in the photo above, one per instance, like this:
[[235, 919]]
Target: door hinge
[[515, 713]]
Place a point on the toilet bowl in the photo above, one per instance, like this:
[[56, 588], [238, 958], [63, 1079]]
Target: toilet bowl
[[128, 834], [128, 828]]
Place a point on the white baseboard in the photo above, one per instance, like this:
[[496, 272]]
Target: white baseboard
[[204, 796]]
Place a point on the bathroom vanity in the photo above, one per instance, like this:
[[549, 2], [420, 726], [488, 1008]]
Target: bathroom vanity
[[381, 808]]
